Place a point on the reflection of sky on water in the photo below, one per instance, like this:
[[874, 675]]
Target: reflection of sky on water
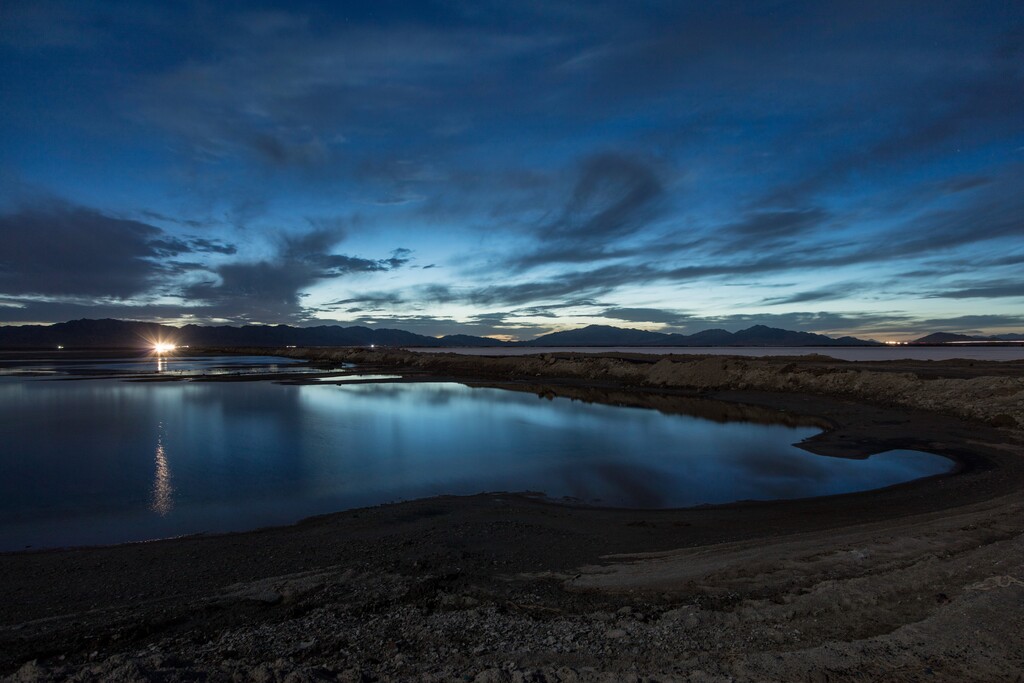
[[163, 364], [80, 467]]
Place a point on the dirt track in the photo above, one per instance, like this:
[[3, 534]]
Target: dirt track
[[923, 581]]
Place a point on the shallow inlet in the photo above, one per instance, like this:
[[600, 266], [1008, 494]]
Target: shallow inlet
[[106, 461]]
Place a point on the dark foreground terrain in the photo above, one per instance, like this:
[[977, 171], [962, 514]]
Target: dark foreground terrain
[[923, 581]]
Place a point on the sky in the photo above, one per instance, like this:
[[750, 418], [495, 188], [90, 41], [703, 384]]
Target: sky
[[514, 168]]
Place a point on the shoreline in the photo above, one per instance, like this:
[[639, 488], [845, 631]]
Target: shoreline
[[925, 575], [987, 391]]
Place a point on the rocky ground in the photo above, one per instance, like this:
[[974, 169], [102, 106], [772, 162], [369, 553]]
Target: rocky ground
[[923, 581]]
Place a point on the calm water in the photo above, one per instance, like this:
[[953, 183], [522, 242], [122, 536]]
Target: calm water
[[852, 353], [149, 364], [104, 460]]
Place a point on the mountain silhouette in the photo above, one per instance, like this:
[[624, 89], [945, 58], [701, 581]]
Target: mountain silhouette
[[108, 333]]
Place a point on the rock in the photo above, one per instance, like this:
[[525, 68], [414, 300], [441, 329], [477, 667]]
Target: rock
[[30, 671], [492, 676]]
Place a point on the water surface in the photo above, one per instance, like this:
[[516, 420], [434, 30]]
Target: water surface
[[158, 365], [104, 461]]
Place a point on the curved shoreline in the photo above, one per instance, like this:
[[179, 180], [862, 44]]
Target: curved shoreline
[[987, 391], [886, 583]]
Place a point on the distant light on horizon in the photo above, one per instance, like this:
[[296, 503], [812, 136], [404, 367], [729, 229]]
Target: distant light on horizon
[[164, 347]]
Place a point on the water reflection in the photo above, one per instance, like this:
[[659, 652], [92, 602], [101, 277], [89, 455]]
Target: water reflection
[[161, 364], [257, 453], [163, 491]]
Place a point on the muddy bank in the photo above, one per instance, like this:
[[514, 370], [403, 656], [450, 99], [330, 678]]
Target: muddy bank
[[990, 392], [922, 581]]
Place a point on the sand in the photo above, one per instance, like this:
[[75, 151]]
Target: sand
[[922, 581]]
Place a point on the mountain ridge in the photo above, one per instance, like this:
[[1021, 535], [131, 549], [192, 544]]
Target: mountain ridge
[[953, 337], [111, 333]]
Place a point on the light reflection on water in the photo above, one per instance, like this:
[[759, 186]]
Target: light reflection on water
[[163, 491], [163, 364], [92, 461]]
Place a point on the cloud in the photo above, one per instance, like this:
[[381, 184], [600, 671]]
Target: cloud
[[594, 282], [399, 257], [615, 196], [272, 290], [991, 290], [34, 311], [972, 323], [771, 225], [822, 294], [295, 97], [61, 249], [482, 325], [647, 315], [369, 299], [960, 104], [198, 244]]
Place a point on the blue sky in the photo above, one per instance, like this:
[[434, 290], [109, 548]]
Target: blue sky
[[510, 169]]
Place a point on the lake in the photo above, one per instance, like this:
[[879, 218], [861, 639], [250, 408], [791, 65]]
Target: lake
[[104, 460]]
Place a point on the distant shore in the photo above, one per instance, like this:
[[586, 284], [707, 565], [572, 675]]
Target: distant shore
[[920, 580], [989, 392]]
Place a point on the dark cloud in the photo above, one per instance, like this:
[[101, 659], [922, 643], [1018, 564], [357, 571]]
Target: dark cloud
[[971, 324], [997, 212], [990, 290], [369, 299], [174, 246], [199, 244], [570, 285], [823, 294], [762, 226], [301, 96], [154, 215], [555, 310], [399, 257], [436, 326], [614, 196], [60, 249], [34, 311], [273, 289], [647, 315]]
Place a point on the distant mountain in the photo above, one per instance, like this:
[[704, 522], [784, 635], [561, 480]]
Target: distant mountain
[[761, 335], [599, 335], [949, 337], [713, 337], [945, 338], [128, 334], [758, 335], [453, 340]]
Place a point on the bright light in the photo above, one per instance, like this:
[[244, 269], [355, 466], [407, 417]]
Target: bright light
[[163, 347]]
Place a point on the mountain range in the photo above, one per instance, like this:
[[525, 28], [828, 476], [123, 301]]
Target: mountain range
[[109, 333], [951, 337]]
